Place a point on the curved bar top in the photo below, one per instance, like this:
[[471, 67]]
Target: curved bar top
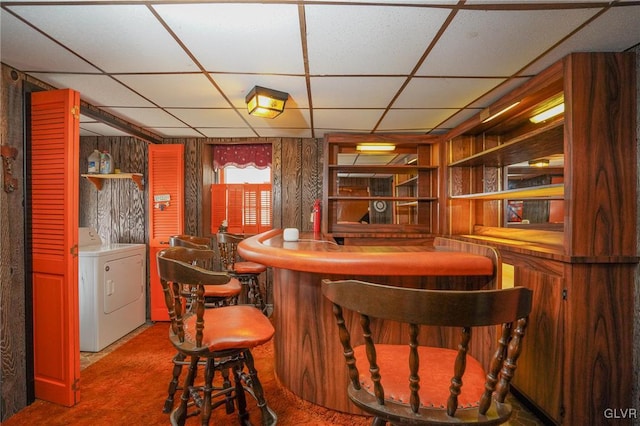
[[324, 256], [308, 358]]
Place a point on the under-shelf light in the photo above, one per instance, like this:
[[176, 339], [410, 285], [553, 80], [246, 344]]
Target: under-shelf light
[[543, 162], [487, 113], [547, 114], [375, 147]]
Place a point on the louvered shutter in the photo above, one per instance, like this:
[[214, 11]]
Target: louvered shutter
[[235, 198], [251, 209], [218, 205], [166, 213], [264, 216], [54, 175]]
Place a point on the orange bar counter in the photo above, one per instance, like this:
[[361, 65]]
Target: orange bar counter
[[308, 354]]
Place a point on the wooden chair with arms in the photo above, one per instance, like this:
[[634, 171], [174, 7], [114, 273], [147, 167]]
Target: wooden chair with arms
[[421, 385], [246, 272], [223, 337], [215, 296]]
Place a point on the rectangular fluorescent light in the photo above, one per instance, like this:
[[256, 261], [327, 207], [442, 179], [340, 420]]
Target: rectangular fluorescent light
[[490, 117], [375, 147], [545, 115]]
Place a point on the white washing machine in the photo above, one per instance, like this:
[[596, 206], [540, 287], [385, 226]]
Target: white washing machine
[[112, 290]]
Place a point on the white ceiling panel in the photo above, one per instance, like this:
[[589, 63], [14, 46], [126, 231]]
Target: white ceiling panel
[[444, 92], [99, 90], [414, 119], [209, 117], [176, 132], [240, 38], [369, 40], [43, 53], [347, 119], [283, 133], [147, 117], [499, 43], [176, 90], [354, 92], [616, 30], [115, 38], [222, 132]]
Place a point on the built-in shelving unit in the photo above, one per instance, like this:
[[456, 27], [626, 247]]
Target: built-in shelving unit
[[581, 268], [381, 193], [98, 179]]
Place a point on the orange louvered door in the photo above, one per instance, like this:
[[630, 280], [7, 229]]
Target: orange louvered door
[[54, 176], [166, 213]]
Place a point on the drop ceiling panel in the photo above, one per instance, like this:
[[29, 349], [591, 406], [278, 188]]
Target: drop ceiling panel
[[115, 38], [616, 30], [499, 43], [147, 117], [283, 133], [209, 117], [369, 40], [357, 120], [98, 90], [227, 133], [239, 38], [176, 90], [418, 120], [42, 54], [354, 92], [444, 92]]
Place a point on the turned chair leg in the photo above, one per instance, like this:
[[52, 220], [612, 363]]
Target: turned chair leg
[[269, 418], [179, 415], [178, 362]]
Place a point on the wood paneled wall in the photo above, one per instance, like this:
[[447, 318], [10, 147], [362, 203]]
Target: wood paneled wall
[[296, 180], [118, 210]]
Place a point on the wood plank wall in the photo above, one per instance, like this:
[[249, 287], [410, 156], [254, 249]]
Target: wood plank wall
[[118, 211]]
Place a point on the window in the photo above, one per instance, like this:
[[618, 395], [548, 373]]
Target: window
[[242, 195]]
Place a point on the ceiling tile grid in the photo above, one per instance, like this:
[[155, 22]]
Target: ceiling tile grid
[[182, 69]]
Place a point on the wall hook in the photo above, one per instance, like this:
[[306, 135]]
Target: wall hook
[[9, 154]]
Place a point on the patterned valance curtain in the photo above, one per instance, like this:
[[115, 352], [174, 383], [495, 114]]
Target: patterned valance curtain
[[241, 156]]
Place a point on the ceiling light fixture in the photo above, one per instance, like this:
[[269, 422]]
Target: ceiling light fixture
[[547, 114], [266, 103], [375, 147], [486, 116]]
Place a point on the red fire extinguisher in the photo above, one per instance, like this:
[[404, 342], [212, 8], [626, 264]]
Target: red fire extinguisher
[[315, 217]]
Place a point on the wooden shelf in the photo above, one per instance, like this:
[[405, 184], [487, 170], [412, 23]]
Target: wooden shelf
[[548, 192], [98, 179], [395, 169], [549, 140]]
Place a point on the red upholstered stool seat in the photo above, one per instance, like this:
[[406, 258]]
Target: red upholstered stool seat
[[245, 327], [435, 375], [248, 268]]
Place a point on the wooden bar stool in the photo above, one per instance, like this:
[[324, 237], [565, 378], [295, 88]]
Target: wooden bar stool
[[223, 337], [423, 385], [214, 295], [246, 272]]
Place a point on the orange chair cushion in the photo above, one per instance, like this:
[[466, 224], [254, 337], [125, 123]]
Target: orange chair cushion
[[232, 288], [231, 327], [248, 268], [435, 371]]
